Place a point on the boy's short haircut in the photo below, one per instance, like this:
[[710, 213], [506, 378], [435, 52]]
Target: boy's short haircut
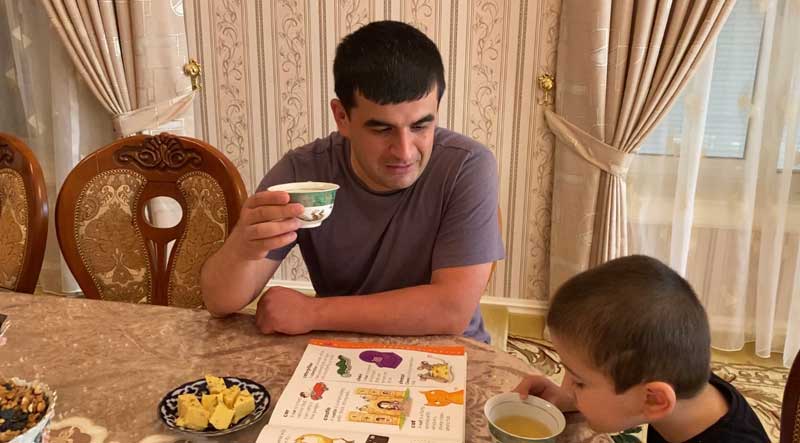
[[637, 321], [388, 62]]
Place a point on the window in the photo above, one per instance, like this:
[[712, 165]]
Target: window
[[731, 92]]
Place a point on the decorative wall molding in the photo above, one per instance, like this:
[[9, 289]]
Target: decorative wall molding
[[422, 14], [231, 76], [486, 69], [351, 15], [539, 185], [292, 73]]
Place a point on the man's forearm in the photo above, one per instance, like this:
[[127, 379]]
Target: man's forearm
[[228, 283], [419, 310]]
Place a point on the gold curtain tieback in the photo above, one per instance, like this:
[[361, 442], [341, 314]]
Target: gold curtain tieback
[[546, 83], [193, 70]]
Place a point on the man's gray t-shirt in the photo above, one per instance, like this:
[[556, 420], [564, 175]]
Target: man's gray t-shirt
[[374, 242]]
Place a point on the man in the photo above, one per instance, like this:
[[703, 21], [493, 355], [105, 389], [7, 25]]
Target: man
[[414, 227]]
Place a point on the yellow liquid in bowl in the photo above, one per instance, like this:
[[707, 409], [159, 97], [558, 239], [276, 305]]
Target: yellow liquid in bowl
[[523, 426]]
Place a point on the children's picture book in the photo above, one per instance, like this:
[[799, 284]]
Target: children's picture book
[[353, 392]]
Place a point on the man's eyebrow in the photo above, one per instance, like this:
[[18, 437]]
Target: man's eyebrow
[[371, 123], [375, 123], [426, 119]]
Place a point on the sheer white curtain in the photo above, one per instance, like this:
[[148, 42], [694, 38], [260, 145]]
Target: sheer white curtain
[[45, 104], [715, 191]]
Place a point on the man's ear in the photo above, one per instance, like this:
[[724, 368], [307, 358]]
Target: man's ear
[[341, 117], [659, 400]]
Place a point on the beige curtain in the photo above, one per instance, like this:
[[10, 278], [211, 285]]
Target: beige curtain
[[621, 64], [131, 55]]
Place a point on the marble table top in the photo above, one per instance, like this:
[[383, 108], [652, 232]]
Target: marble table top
[[111, 363]]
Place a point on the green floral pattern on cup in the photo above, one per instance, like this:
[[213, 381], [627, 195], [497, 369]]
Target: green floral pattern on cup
[[321, 198]]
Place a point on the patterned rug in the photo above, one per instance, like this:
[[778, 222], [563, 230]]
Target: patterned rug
[[762, 386]]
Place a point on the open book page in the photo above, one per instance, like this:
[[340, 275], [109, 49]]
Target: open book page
[[277, 434], [376, 389]]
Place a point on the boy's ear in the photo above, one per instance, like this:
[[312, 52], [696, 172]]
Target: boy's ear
[[341, 117], [659, 400]]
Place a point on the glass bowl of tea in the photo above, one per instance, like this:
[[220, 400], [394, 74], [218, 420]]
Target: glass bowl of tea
[[513, 420]]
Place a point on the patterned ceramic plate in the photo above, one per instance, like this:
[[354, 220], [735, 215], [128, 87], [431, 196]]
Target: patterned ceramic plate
[[168, 408]]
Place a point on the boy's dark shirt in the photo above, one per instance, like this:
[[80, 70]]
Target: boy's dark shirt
[[740, 424]]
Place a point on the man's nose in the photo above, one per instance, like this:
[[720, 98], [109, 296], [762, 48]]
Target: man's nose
[[404, 148]]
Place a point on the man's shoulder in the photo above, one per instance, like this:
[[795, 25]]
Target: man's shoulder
[[446, 138], [315, 161], [458, 147], [321, 147]]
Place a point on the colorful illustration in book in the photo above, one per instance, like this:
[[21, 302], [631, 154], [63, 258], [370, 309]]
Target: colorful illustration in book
[[377, 439], [441, 372], [319, 438], [372, 393], [378, 419], [344, 366], [438, 397], [381, 359], [316, 392], [382, 406]]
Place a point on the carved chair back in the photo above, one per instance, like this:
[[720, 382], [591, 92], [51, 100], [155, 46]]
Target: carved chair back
[[790, 410], [107, 241], [23, 216]]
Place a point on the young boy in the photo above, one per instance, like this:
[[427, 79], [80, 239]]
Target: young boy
[[635, 342]]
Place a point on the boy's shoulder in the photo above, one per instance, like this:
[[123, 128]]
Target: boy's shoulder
[[740, 424]]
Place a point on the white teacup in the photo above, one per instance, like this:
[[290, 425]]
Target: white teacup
[[316, 197], [503, 406]]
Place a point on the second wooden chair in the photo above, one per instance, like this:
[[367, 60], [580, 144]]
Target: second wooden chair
[[23, 216], [107, 241], [790, 410]]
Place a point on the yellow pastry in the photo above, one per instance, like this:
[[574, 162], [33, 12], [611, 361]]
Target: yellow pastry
[[222, 416], [229, 396], [196, 418], [185, 401], [215, 384], [244, 405], [210, 401], [221, 407]]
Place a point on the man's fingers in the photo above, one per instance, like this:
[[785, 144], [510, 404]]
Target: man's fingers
[[263, 231], [267, 198], [261, 214], [279, 241]]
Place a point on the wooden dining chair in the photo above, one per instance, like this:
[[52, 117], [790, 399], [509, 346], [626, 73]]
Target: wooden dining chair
[[107, 241], [790, 411], [23, 216]]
